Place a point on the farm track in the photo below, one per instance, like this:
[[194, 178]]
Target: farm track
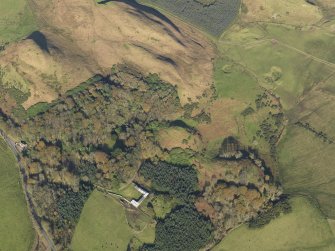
[[32, 212]]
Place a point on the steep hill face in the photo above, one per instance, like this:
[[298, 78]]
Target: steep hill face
[[82, 38]]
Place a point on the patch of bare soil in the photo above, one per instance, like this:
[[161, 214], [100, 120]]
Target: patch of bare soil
[[85, 38]]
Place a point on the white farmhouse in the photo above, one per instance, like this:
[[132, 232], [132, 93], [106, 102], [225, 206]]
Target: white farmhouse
[[144, 193]]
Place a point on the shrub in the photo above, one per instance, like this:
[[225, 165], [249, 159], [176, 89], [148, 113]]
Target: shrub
[[264, 218], [247, 111]]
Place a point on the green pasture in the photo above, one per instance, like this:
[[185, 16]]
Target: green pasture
[[16, 20], [306, 154], [306, 166], [234, 81], [260, 54], [104, 225], [303, 229], [311, 40], [16, 230], [296, 64]]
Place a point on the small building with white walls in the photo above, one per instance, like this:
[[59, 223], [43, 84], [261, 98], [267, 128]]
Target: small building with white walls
[[137, 203]]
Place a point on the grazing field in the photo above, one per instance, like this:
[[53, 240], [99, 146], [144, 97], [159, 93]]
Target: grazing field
[[303, 229], [279, 58], [306, 152], [16, 230], [280, 64], [211, 16], [103, 225], [233, 81], [297, 66], [16, 20], [312, 41]]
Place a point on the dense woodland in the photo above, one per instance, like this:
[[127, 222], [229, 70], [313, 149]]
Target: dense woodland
[[178, 181], [93, 135], [184, 229], [104, 133]]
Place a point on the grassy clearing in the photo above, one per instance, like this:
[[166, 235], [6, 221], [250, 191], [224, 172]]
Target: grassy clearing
[[223, 123], [163, 204], [233, 81], [16, 230], [16, 20], [129, 192], [303, 229], [177, 137], [103, 226], [179, 156]]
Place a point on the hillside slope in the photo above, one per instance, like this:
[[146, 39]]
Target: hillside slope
[[82, 38]]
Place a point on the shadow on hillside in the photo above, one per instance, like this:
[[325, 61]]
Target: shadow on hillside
[[144, 10], [40, 40]]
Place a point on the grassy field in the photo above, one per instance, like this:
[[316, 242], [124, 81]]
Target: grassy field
[[16, 20], [299, 64], [16, 230], [303, 229], [233, 81], [305, 156], [314, 41], [103, 226]]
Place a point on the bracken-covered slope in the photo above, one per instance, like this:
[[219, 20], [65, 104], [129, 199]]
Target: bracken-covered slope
[[80, 38]]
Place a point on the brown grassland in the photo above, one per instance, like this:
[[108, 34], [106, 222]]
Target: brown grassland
[[85, 38]]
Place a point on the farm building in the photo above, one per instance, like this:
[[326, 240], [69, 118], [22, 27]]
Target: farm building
[[137, 203]]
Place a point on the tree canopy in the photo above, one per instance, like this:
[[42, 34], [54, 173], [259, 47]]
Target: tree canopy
[[184, 229], [179, 181]]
